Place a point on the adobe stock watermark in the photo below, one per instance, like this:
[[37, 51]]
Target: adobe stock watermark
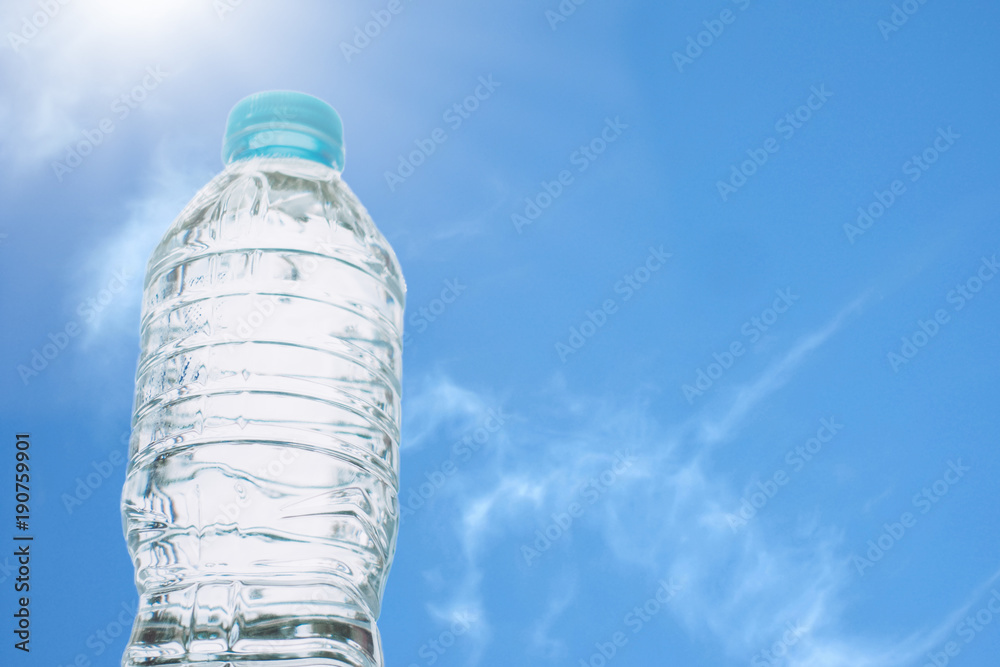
[[635, 620], [256, 309], [795, 460], [628, 286], [584, 156], [324, 601], [273, 470], [33, 24], [786, 127], [259, 310], [95, 477], [967, 630], [591, 491], [364, 34], [704, 39], [926, 330], [103, 638], [753, 329], [454, 116], [432, 650], [924, 501], [430, 312], [7, 569], [472, 442], [777, 653], [562, 12], [225, 7], [87, 311], [901, 13], [915, 168], [121, 107]]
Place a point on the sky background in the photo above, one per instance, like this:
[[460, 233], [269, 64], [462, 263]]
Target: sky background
[[826, 496]]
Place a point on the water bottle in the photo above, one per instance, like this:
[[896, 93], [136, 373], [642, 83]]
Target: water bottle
[[260, 506]]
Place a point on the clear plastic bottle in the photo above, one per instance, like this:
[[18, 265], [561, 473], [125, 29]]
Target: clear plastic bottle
[[260, 504]]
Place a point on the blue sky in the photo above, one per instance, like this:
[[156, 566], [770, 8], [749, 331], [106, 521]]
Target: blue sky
[[715, 378]]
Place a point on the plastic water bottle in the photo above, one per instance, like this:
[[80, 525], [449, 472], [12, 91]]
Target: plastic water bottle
[[260, 504]]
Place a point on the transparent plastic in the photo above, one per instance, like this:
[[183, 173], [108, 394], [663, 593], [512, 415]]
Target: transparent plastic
[[260, 505]]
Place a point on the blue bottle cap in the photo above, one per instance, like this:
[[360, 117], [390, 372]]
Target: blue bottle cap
[[284, 123]]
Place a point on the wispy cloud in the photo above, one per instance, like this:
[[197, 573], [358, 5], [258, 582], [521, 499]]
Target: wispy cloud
[[830, 650], [746, 397], [127, 248], [61, 75], [563, 592], [667, 516], [440, 404]]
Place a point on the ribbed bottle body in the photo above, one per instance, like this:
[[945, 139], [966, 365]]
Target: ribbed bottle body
[[260, 505]]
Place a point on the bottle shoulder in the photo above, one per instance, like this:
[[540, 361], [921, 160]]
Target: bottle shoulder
[[277, 203]]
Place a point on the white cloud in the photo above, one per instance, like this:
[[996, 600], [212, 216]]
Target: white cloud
[[668, 516], [126, 251], [773, 378], [836, 651], [508, 487], [561, 596], [440, 403], [63, 78]]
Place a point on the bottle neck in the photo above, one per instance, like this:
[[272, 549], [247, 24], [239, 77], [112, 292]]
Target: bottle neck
[[283, 143]]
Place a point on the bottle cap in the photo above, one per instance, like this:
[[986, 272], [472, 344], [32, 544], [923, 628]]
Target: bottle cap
[[284, 123]]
